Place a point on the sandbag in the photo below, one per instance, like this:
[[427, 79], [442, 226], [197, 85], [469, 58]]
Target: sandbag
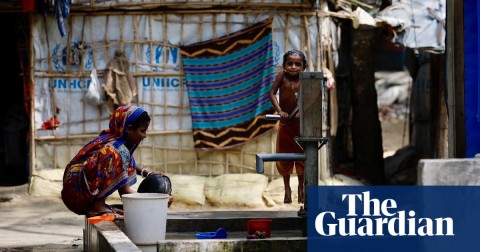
[[237, 190], [189, 189]]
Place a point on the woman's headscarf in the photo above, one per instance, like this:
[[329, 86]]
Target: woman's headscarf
[[92, 166], [120, 119]]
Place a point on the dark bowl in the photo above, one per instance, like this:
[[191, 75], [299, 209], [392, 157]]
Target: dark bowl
[[155, 183]]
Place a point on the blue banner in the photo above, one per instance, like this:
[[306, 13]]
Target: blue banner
[[393, 218]]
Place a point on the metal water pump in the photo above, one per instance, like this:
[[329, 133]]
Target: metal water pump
[[309, 104]]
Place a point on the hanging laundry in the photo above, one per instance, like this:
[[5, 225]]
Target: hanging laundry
[[50, 124], [119, 84], [53, 122], [228, 80], [61, 10]]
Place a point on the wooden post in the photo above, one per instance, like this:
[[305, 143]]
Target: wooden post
[[310, 109], [455, 59], [366, 128], [310, 104]]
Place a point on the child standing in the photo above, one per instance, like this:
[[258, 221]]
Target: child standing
[[287, 83]]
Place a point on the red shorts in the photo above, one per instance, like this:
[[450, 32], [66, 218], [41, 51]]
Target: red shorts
[[286, 144]]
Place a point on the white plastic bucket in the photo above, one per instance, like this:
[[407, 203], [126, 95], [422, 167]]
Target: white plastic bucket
[[145, 217]]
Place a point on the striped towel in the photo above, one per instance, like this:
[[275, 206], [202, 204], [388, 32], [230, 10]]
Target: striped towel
[[228, 81]]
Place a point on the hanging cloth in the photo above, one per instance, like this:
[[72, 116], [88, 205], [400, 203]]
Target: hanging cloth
[[61, 11], [119, 84]]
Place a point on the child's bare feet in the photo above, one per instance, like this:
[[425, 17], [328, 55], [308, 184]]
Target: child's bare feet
[[288, 196], [300, 195]]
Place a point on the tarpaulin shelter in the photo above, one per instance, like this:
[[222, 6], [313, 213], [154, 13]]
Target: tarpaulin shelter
[[72, 53], [66, 50]]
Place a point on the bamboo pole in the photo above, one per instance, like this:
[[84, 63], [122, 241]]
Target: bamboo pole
[[151, 67], [53, 103], [101, 73], [200, 28], [287, 28], [155, 5], [107, 48], [150, 44], [333, 96], [94, 55], [82, 136], [169, 106], [165, 92], [319, 44], [212, 11], [81, 73], [308, 43], [228, 23], [182, 102], [214, 24], [136, 48], [31, 71], [303, 42], [122, 41]]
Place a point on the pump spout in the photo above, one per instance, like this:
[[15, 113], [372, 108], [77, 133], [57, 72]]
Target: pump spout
[[264, 157]]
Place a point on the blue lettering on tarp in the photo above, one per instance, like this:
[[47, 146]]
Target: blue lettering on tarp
[[86, 56], [160, 82], [158, 54], [170, 52], [74, 86], [174, 53], [175, 82], [59, 83]]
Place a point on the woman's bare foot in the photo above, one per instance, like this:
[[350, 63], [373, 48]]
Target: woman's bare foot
[[100, 208], [300, 195], [105, 211], [117, 216], [288, 196]]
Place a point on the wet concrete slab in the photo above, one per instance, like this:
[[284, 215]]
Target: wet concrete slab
[[230, 220], [286, 232], [234, 235]]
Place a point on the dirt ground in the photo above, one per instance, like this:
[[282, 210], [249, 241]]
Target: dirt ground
[[38, 224], [31, 223], [44, 224], [393, 136]]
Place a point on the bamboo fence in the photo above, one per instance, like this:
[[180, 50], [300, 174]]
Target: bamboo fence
[[164, 150]]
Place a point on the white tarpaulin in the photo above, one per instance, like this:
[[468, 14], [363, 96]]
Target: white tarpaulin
[[150, 43]]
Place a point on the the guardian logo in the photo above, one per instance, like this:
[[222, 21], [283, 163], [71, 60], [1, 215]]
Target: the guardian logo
[[370, 217]]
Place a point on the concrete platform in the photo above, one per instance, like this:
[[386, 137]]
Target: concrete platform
[[230, 220], [286, 233]]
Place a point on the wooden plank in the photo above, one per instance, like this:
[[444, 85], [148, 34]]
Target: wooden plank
[[310, 104], [455, 79]]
